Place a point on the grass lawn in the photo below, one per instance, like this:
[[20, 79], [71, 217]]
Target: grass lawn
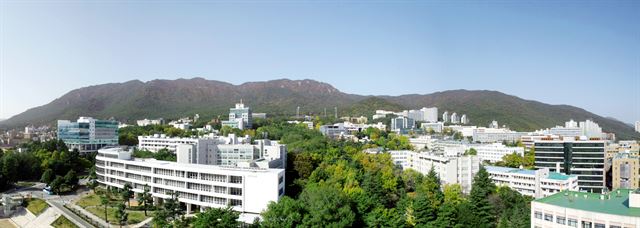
[[63, 222], [134, 216], [36, 206], [89, 200]]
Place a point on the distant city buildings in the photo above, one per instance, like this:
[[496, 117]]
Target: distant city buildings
[[572, 128], [88, 134], [445, 117], [637, 126], [239, 117], [451, 170], [535, 183], [436, 127], [464, 119], [491, 135], [616, 209], [581, 157], [454, 118]]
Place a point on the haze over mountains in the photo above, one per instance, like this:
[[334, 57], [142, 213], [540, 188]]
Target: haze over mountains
[[133, 100]]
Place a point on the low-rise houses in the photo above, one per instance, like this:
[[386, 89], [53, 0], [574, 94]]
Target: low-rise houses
[[616, 209], [535, 183]]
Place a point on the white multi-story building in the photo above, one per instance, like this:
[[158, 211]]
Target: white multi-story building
[[147, 122], [247, 189], [495, 151], [491, 135], [156, 142], [535, 183], [616, 209], [451, 170], [529, 139], [436, 127], [637, 126], [445, 117], [402, 124], [454, 118], [239, 117], [464, 119], [430, 114]]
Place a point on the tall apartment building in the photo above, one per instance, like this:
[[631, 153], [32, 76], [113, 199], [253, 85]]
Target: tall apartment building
[[451, 170], [454, 118], [624, 172], [495, 151], [581, 157], [445, 117], [430, 114], [247, 188], [617, 209], [464, 119], [88, 134], [239, 117], [637, 126], [535, 183]]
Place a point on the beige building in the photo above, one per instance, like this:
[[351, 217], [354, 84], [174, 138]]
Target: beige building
[[624, 171]]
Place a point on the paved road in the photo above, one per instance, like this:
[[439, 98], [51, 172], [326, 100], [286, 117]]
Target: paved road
[[70, 215]]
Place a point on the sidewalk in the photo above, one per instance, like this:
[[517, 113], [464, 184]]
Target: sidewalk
[[70, 215], [90, 215]]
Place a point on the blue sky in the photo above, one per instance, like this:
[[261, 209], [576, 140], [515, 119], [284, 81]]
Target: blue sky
[[581, 53]]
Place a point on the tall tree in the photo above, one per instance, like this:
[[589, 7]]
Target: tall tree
[[328, 207], [287, 212], [126, 193], [47, 176], [104, 201], [145, 199], [481, 189], [428, 199], [122, 214]]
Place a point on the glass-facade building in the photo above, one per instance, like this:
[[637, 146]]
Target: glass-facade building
[[88, 134], [583, 158]]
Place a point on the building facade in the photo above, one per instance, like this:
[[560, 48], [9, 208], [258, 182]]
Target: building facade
[[581, 157], [495, 151], [535, 183], [88, 134], [624, 172], [402, 124], [617, 209], [239, 117], [246, 189], [451, 170]]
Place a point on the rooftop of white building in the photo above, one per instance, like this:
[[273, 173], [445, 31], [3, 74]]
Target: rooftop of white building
[[552, 175]]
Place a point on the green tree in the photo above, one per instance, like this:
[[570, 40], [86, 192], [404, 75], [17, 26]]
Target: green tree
[[104, 201], [121, 214], [145, 199], [513, 160], [385, 217], [471, 151], [217, 217], [92, 181], [126, 193], [287, 212], [10, 168], [328, 207], [47, 176], [71, 179], [481, 189], [428, 199], [57, 184]]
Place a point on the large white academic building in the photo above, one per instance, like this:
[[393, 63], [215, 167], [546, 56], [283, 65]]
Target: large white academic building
[[495, 151], [451, 170], [251, 177]]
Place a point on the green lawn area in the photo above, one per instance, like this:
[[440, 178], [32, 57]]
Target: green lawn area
[[89, 200], [63, 222], [36, 206], [134, 216]]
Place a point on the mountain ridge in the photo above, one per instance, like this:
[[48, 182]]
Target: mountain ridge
[[135, 99]]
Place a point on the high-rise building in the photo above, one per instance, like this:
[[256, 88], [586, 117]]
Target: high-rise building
[[582, 157], [239, 117], [445, 117], [638, 126], [454, 118], [591, 129], [88, 134], [430, 114], [624, 171], [464, 119]]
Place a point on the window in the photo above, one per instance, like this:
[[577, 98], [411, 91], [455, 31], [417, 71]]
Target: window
[[599, 225], [236, 179], [548, 217], [614, 226], [538, 215], [586, 224], [235, 202], [561, 220], [573, 223], [235, 191]]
